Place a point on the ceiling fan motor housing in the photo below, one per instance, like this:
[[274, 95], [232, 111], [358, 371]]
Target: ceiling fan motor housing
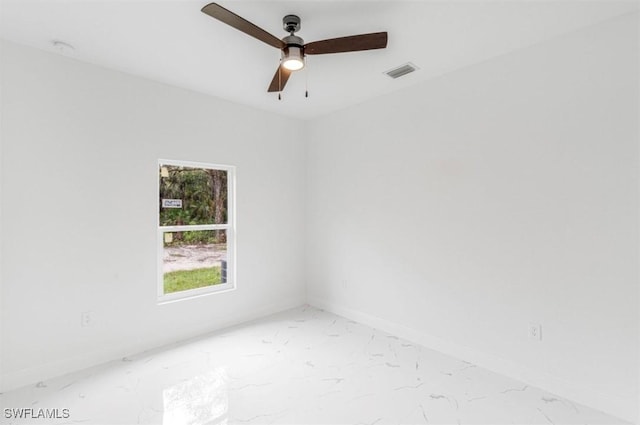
[[293, 40], [294, 46], [291, 23]]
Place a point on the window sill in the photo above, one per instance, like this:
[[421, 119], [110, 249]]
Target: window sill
[[195, 293]]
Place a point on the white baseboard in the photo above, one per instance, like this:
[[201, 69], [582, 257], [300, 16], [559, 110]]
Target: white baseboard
[[30, 376], [624, 408]]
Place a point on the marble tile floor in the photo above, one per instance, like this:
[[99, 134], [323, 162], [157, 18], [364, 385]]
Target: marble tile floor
[[303, 366]]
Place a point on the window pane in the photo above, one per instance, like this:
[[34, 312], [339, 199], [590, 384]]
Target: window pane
[[190, 196], [194, 259]]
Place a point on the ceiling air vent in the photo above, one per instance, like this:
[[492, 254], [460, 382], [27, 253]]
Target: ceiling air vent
[[398, 72]]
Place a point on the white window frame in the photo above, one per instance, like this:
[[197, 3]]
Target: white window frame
[[230, 228]]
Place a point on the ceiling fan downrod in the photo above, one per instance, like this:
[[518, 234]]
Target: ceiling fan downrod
[[291, 24]]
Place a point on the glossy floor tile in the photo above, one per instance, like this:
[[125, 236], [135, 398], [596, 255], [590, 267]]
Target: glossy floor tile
[[303, 366]]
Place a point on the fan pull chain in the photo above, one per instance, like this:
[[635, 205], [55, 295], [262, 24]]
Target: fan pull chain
[[306, 82], [280, 80]]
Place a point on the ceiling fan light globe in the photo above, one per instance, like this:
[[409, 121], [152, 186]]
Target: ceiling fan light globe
[[293, 64], [293, 57]]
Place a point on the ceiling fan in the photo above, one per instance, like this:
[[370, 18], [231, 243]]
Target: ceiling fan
[[293, 49]]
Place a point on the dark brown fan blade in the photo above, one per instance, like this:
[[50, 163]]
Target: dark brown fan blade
[[223, 15], [279, 80], [353, 43]]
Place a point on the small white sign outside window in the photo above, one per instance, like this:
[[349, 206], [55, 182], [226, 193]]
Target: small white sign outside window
[[172, 203]]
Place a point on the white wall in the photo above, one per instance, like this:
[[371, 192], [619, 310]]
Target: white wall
[[460, 210], [79, 179]]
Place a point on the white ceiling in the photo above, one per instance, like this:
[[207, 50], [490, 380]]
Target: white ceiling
[[173, 42]]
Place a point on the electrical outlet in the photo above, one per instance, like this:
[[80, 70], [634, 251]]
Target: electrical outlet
[[535, 331], [86, 319]]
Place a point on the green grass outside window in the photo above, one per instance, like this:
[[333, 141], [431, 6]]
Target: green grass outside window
[[183, 280]]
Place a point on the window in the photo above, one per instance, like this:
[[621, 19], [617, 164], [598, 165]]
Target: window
[[196, 233]]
